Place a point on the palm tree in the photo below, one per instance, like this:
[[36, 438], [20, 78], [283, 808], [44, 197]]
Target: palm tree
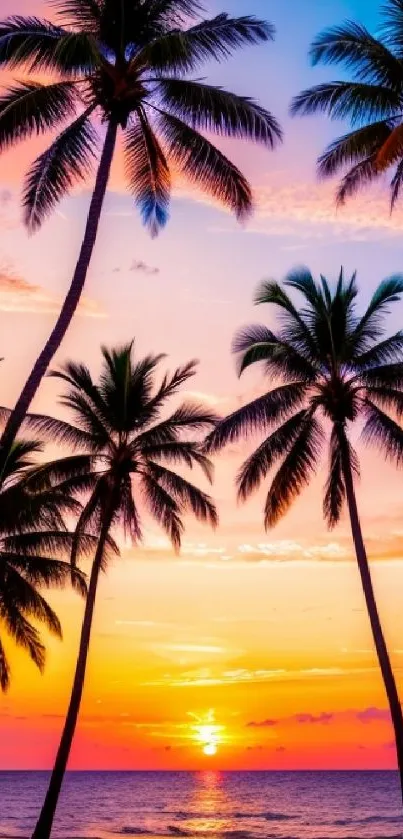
[[333, 371], [371, 101], [125, 65], [32, 533], [126, 447]]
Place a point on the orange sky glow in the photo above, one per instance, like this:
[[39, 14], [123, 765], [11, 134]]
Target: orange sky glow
[[250, 650]]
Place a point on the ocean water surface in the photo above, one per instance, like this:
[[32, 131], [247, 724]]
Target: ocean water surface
[[208, 805]]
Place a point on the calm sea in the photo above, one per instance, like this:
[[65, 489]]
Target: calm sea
[[209, 805]]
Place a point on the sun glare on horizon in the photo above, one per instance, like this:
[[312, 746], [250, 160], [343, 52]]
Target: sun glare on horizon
[[207, 733], [210, 749]]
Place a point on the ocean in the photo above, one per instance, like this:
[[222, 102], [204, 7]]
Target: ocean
[[208, 805]]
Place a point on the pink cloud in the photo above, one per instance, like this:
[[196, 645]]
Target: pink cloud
[[262, 724], [19, 295], [373, 715], [323, 718]]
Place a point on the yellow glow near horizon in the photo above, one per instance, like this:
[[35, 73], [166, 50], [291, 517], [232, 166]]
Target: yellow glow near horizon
[[208, 734]]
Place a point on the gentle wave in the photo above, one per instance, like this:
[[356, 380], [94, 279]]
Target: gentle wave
[[229, 834], [190, 815], [368, 820]]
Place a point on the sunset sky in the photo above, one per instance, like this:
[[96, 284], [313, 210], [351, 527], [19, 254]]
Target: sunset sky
[[261, 637]]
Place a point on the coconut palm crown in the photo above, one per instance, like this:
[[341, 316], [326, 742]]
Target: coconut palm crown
[[33, 542], [127, 64], [371, 99], [332, 368], [126, 447]]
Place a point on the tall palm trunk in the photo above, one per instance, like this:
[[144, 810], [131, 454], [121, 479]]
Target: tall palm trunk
[[70, 303], [379, 640], [43, 828]]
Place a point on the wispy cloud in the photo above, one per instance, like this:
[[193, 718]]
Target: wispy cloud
[[140, 266], [205, 677], [366, 715], [291, 549], [373, 715], [19, 295], [304, 210], [204, 649], [262, 724]]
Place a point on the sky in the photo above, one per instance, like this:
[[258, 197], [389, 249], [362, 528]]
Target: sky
[[258, 642]]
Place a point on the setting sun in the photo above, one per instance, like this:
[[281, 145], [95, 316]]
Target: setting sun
[[207, 733], [210, 749]]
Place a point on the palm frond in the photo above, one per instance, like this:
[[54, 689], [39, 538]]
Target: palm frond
[[257, 415], [85, 400], [391, 28], [147, 173], [18, 589], [352, 45], [187, 419], [389, 350], [172, 382], [22, 511], [88, 418], [189, 497], [40, 45], [21, 455], [370, 326], [335, 490], [128, 512], [210, 108], [50, 543], [182, 452], [387, 398], [126, 389], [391, 150], [163, 507], [396, 184], [356, 101], [358, 176], [353, 148], [174, 14], [59, 431], [382, 431], [85, 14], [32, 108], [295, 472], [256, 343], [292, 319], [42, 571], [257, 466], [68, 160], [4, 669], [215, 39], [55, 473], [300, 279], [205, 165], [23, 633]]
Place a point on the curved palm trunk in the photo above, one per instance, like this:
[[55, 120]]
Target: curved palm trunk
[[70, 303], [43, 828], [379, 640]]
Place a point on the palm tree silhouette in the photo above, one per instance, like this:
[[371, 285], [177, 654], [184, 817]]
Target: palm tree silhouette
[[336, 370], [32, 534], [126, 449], [371, 101], [124, 65]]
